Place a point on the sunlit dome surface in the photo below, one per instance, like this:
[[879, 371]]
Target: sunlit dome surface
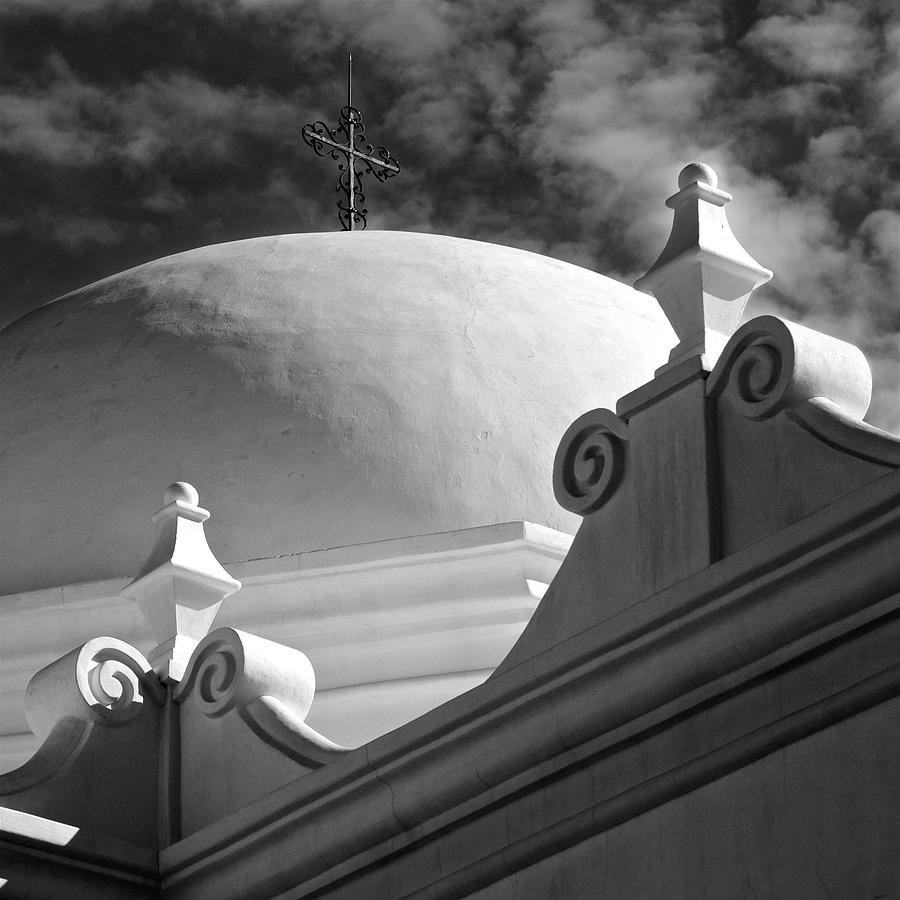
[[318, 389]]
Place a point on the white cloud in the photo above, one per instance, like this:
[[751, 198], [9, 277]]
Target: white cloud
[[829, 44]]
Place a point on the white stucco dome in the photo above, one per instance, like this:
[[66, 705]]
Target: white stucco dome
[[318, 389]]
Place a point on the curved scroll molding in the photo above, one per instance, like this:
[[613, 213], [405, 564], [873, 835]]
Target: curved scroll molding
[[272, 721], [65, 740], [771, 364], [230, 669], [827, 422], [104, 681], [590, 461], [270, 686]]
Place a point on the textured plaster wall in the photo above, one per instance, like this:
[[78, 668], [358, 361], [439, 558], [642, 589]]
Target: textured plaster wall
[[815, 820]]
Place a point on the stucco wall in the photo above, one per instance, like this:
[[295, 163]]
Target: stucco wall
[[818, 819]]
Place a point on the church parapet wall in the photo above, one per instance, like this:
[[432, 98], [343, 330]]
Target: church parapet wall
[[744, 438], [242, 698], [613, 724]]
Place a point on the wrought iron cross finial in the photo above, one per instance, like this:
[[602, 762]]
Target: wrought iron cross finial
[[360, 157]]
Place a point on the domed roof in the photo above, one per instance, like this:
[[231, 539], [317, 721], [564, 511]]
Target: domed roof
[[318, 389]]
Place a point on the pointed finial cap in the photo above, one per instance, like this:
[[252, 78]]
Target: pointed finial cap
[[182, 584], [703, 277]]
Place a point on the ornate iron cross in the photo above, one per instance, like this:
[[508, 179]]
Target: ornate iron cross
[[360, 157]]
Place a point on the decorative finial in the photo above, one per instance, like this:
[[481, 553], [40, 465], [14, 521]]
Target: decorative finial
[[360, 157], [703, 277], [182, 585], [697, 172], [182, 491]]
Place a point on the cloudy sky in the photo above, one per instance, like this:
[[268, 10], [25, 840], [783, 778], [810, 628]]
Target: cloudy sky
[[130, 129]]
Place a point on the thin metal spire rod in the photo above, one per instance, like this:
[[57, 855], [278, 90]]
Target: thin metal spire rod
[[351, 159]]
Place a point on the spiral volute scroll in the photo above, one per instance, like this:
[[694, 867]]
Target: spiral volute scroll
[[760, 378], [590, 461], [218, 676], [771, 364], [105, 681], [230, 669]]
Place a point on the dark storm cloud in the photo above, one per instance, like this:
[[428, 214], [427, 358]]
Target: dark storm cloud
[[141, 127]]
